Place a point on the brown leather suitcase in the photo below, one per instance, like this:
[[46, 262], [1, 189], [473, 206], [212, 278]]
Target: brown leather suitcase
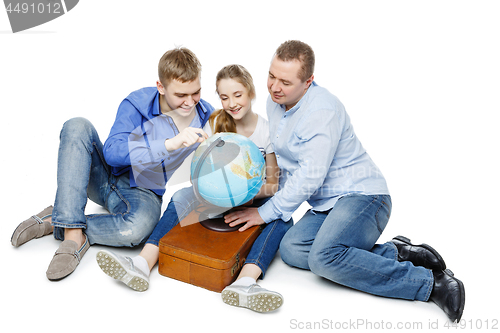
[[203, 257]]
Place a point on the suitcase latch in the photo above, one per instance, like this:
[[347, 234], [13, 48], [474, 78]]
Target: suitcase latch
[[236, 265]]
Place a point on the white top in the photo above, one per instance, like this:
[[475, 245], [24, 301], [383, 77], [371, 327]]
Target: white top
[[260, 136]]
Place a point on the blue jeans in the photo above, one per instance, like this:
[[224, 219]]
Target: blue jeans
[[339, 245], [83, 173], [263, 249]]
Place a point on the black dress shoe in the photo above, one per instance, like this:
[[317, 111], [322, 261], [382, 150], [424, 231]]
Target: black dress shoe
[[420, 255], [449, 294]]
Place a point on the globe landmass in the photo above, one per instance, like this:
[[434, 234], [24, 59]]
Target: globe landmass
[[232, 182]]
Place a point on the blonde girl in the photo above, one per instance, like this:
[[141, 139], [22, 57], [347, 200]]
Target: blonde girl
[[236, 90]]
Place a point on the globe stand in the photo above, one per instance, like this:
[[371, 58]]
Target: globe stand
[[216, 223]]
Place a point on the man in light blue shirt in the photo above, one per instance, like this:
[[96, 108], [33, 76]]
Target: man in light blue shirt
[[320, 157], [322, 161]]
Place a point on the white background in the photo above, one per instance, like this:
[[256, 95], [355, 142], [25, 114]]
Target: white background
[[420, 80]]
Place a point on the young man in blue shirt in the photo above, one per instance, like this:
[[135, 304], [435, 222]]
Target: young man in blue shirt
[[323, 162], [155, 129]]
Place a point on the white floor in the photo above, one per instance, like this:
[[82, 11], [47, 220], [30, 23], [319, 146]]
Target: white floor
[[92, 300], [419, 81]]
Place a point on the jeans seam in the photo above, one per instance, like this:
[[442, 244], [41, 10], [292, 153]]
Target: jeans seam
[[127, 203], [376, 215], [396, 253], [83, 225], [258, 263], [69, 226], [101, 157], [431, 286], [382, 275], [374, 198], [95, 149], [264, 245], [266, 241], [152, 242]]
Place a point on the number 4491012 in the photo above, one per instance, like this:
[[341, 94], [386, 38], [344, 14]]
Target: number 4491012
[[40, 8], [474, 324]]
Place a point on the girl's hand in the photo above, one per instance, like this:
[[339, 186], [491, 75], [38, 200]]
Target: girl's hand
[[249, 215]]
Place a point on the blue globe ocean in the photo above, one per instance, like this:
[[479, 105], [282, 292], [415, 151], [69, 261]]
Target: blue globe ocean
[[227, 170]]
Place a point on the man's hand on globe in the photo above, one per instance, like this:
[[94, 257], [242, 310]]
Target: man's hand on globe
[[249, 216]]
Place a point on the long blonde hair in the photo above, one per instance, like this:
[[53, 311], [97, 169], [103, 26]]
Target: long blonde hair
[[225, 123]]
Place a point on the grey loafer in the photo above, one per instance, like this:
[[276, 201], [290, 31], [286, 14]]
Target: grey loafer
[[32, 228], [66, 258]]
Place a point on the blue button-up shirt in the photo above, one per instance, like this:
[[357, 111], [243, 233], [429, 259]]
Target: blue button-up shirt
[[136, 142], [319, 156]]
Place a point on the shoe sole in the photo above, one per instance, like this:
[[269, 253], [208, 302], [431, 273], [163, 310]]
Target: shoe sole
[[260, 302], [428, 248], [110, 265]]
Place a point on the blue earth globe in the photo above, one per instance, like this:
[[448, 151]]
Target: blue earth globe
[[227, 170]]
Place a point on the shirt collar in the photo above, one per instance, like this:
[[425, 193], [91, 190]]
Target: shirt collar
[[156, 104]]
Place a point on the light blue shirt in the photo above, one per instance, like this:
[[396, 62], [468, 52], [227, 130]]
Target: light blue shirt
[[319, 156]]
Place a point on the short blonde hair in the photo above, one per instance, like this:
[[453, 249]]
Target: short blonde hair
[[178, 64], [297, 50]]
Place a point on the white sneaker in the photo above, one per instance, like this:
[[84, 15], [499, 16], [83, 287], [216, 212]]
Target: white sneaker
[[123, 269], [253, 297]]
